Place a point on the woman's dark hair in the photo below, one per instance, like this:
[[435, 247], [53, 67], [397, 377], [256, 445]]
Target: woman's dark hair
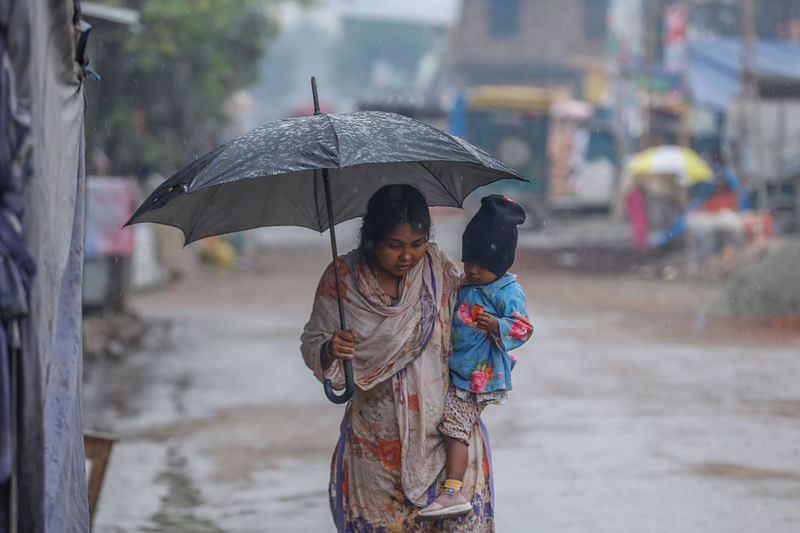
[[389, 207]]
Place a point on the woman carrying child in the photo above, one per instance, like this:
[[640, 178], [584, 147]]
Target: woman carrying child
[[398, 291]]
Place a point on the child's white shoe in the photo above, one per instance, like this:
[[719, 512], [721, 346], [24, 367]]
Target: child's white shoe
[[446, 505]]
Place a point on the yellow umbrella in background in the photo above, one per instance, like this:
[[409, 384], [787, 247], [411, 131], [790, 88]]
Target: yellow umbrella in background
[[668, 159]]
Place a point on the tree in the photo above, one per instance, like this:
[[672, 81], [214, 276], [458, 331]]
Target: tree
[[162, 89]]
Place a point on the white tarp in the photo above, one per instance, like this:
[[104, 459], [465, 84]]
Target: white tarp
[[772, 139], [54, 222]]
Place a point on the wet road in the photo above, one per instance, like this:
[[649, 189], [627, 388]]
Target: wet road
[[626, 416]]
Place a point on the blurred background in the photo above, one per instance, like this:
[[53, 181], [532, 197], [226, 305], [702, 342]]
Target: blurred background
[[660, 255]]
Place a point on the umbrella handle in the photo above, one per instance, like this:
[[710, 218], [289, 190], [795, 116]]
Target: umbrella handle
[[348, 385]]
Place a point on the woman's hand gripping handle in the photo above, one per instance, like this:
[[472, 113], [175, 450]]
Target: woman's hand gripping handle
[[341, 347]]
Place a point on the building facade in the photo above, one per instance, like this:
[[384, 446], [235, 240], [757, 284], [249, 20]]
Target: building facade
[[529, 42]]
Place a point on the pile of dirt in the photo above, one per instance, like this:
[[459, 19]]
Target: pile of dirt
[[768, 288], [113, 336]]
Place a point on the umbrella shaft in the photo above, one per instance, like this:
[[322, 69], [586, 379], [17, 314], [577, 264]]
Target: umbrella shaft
[[314, 94], [329, 205]]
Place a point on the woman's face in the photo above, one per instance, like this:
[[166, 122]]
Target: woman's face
[[401, 251]]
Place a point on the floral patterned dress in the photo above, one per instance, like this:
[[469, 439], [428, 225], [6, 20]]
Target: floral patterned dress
[[480, 362], [389, 461]]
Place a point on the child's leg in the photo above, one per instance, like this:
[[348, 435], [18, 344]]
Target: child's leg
[[457, 457], [458, 419], [460, 416]]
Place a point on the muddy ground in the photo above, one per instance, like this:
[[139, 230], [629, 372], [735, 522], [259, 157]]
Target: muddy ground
[[633, 409]]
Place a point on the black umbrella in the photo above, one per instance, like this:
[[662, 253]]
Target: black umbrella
[[291, 172]]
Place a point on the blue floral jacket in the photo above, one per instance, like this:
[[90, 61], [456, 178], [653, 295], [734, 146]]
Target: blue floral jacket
[[479, 361]]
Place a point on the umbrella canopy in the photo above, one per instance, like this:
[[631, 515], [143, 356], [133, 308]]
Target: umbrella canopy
[[316, 171], [271, 175], [681, 161]]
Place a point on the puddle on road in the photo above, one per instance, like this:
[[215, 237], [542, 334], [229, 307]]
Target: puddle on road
[[743, 472], [182, 499]]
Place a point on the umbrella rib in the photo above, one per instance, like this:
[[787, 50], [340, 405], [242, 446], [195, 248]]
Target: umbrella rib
[[196, 216], [336, 141], [317, 177], [432, 173], [316, 184]]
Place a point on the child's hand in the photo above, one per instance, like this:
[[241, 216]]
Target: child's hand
[[487, 322]]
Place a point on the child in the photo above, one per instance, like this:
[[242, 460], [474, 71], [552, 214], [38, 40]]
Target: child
[[491, 318]]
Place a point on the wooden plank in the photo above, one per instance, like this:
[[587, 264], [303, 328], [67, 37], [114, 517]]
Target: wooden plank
[[97, 447]]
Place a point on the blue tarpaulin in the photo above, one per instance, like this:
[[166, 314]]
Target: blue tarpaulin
[[715, 64]]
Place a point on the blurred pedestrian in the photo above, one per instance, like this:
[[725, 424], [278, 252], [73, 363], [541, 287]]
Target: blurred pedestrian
[[398, 291], [637, 215]]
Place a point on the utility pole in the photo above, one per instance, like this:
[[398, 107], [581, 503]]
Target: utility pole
[[652, 9], [751, 117]]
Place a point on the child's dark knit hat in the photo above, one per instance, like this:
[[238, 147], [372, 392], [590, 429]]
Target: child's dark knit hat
[[490, 238]]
